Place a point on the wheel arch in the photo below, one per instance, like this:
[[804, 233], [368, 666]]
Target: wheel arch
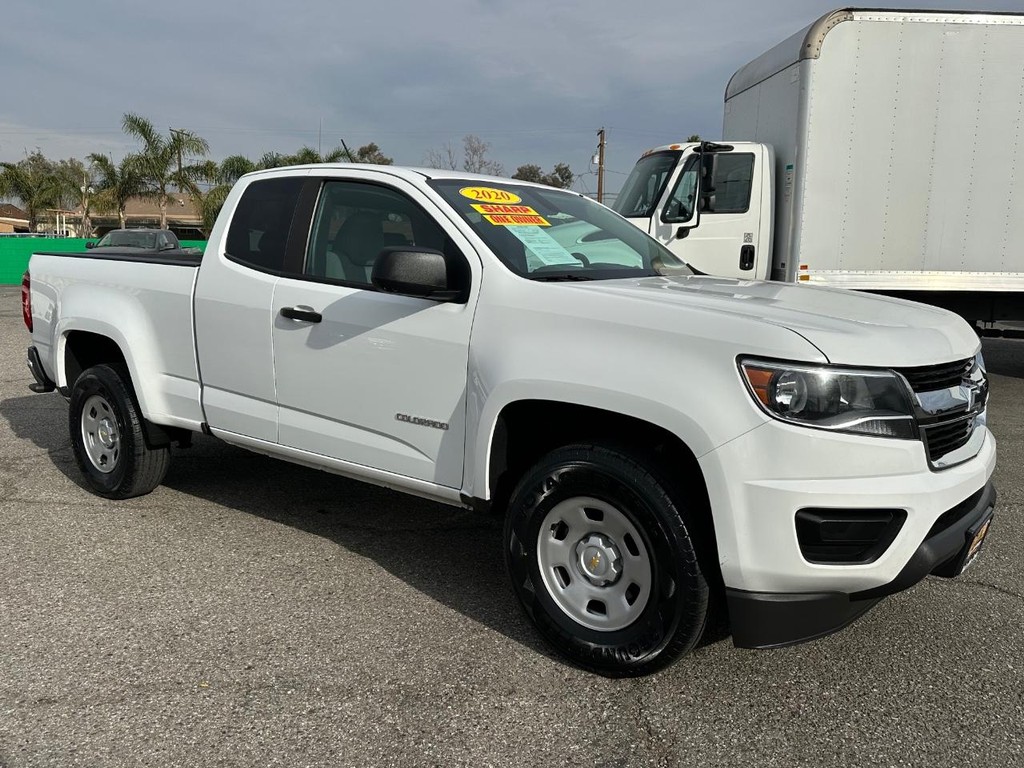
[[80, 350], [516, 444]]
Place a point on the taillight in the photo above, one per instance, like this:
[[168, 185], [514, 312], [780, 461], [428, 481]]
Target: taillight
[[26, 300]]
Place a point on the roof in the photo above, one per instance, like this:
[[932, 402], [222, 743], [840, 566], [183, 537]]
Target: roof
[[807, 43], [8, 211], [179, 208], [408, 173]]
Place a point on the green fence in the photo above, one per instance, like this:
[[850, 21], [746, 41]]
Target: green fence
[[15, 252]]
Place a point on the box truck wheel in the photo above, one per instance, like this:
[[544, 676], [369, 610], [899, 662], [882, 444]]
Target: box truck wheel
[[108, 438], [601, 559]]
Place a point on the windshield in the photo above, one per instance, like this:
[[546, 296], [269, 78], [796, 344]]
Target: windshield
[[122, 239], [645, 184], [551, 234]]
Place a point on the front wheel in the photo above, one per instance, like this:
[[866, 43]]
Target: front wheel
[[603, 563], [108, 438]]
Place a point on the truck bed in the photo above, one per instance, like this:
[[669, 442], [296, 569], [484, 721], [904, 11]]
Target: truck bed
[[144, 304]]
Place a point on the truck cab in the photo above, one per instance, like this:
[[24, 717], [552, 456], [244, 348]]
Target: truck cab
[[721, 225]]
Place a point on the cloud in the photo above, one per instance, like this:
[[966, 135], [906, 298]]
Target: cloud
[[536, 80]]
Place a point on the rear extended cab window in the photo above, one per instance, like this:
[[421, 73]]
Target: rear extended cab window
[[261, 223]]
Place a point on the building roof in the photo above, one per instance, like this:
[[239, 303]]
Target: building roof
[[180, 208], [8, 211]]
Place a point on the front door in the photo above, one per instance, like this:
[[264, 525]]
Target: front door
[[727, 238], [367, 377]]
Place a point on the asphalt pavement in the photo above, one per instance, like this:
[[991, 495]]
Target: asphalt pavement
[[254, 613]]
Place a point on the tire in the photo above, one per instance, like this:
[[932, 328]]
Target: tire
[[108, 436], [602, 561]]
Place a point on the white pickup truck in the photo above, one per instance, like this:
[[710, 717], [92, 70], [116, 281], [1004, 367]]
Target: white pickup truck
[[664, 446]]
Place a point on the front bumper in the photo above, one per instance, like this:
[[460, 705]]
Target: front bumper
[[768, 620], [757, 483]]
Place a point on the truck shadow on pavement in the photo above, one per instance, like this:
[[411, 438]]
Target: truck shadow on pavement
[[449, 554]]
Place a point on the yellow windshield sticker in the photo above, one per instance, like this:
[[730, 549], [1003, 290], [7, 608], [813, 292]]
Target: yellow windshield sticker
[[517, 219], [490, 195], [490, 208]]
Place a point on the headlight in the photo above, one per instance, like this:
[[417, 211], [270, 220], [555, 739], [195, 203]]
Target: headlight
[[837, 399]]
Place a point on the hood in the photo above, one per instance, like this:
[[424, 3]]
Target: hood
[[848, 327]]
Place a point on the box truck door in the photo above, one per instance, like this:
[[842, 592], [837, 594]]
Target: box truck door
[[726, 237]]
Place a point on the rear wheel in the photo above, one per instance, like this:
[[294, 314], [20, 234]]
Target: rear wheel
[[603, 562], [108, 437]]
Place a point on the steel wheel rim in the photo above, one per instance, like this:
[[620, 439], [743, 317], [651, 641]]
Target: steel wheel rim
[[100, 435], [580, 542]]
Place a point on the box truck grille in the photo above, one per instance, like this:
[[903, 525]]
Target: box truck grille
[[941, 439], [927, 378]]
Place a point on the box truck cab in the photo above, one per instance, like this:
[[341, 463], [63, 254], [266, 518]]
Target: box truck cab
[[886, 159], [729, 231]]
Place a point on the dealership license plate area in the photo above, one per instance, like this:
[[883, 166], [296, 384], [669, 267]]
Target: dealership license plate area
[[975, 540]]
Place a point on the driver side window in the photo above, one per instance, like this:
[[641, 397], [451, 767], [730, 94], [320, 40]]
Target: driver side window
[[725, 186], [354, 221], [680, 204]]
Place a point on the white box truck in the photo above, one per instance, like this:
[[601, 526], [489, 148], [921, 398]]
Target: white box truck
[[875, 149]]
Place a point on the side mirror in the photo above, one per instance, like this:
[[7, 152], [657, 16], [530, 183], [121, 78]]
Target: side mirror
[[420, 272], [90, 244]]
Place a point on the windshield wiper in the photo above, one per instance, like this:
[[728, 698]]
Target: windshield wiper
[[561, 277]]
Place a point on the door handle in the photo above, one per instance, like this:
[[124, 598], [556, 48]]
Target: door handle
[[299, 313], [747, 257]]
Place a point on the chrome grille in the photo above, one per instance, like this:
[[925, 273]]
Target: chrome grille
[[949, 405], [927, 378], [940, 439]]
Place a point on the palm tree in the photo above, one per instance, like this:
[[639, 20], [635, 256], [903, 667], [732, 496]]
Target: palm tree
[[308, 156], [166, 161], [221, 178], [117, 184], [232, 168], [34, 181], [272, 160]]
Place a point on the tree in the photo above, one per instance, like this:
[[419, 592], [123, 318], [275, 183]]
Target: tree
[[234, 167], [166, 160], [271, 160], [309, 156], [561, 177], [475, 160], [443, 158], [117, 183], [693, 137], [370, 153], [221, 177], [75, 186], [34, 181], [474, 157]]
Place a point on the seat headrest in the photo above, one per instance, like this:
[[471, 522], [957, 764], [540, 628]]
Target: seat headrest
[[360, 238]]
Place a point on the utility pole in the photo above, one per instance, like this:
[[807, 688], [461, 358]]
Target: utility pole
[[178, 132], [600, 165]]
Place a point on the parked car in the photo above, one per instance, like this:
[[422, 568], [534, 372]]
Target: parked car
[[134, 242]]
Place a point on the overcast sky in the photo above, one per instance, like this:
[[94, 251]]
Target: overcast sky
[[533, 79]]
